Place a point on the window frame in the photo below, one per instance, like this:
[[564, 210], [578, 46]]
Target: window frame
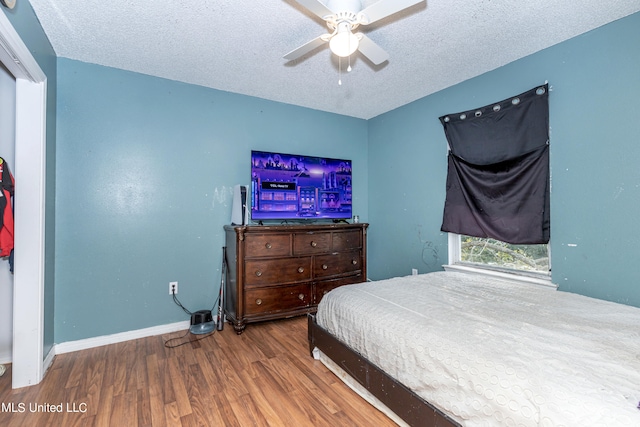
[[455, 263]]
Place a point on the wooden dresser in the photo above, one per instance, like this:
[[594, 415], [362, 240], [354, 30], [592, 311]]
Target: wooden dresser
[[283, 271]]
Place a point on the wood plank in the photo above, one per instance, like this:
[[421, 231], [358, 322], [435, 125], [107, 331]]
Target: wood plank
[[200, 398], [178, 377], [171, 415], [144, 407], [247, 411], [124, 410], [157, 405], [103, 413]]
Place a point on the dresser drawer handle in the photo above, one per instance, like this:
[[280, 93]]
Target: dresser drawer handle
[[258, 301], [301, 297], [325, 266], [258, 273], [354, 261], [314, 244], [300, 270], [267, 245]]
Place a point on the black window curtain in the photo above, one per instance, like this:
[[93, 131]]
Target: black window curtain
[[498, 170]]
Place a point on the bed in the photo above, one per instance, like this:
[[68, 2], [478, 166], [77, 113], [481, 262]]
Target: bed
[[458, 349]]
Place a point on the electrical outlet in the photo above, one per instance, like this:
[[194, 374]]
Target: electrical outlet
[[414, 271], [173, 288]]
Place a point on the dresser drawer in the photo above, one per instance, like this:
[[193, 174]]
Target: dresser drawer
[[277, 271], [311, 243], [346, 240], [281, 298], [323, 287], [268, 245], [337, 264]]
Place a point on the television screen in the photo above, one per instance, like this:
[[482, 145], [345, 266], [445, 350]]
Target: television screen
[[289, 186]]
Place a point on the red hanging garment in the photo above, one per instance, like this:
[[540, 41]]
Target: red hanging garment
[[7, 186]]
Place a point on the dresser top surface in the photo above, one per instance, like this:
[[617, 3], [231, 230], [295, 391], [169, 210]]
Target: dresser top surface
[[295, 227]]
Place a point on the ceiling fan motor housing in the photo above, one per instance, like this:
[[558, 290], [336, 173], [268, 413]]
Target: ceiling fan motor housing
[[341, 18]]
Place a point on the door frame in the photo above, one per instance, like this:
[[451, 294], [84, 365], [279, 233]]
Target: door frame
[[28, 365]]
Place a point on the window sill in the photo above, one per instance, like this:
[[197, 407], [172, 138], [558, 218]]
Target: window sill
[[539, 281]]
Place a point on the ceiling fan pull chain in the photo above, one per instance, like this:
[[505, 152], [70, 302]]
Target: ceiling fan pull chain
[[339, 71]]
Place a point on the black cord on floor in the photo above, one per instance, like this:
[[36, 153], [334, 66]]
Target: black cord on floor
[[166, 343]]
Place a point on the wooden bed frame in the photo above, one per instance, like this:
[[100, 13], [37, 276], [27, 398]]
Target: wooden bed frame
[[398, 398]]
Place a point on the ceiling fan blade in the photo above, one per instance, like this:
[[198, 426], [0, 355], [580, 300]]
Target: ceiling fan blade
[[384, 8], [304, 49], [316, 7], [372, 51]]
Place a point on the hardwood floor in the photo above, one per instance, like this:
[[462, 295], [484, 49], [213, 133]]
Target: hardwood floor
[[264, 377]]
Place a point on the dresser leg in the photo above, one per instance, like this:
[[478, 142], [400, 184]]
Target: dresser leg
[[239, 327]]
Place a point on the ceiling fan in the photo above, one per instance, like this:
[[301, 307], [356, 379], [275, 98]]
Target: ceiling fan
[[344, 16]]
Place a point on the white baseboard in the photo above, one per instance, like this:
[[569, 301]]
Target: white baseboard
[[70, 346]]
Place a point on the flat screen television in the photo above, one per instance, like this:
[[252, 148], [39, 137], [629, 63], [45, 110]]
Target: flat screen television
[[295, 187]]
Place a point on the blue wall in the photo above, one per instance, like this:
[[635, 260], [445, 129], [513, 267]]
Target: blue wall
[[595, 150], [26, 24], [145, 169]]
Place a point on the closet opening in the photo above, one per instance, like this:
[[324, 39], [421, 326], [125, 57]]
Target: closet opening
[[7, 160], [28, 362]]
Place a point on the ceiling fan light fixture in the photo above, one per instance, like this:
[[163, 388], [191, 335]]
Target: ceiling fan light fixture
[[344, 42], [342, 18]]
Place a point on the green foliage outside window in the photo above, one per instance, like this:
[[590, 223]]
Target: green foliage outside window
[[494, 253]]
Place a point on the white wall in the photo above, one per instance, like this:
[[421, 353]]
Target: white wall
[[7, 152]]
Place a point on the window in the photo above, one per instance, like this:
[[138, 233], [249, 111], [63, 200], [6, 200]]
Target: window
[[530, 263], [501, 255], [498, 184]]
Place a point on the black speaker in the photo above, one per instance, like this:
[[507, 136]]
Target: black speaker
[[240, 209]]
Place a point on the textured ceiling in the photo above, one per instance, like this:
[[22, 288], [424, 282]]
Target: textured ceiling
[[238, 45]]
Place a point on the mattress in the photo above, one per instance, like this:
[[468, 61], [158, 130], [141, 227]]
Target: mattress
[[489, 351]]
